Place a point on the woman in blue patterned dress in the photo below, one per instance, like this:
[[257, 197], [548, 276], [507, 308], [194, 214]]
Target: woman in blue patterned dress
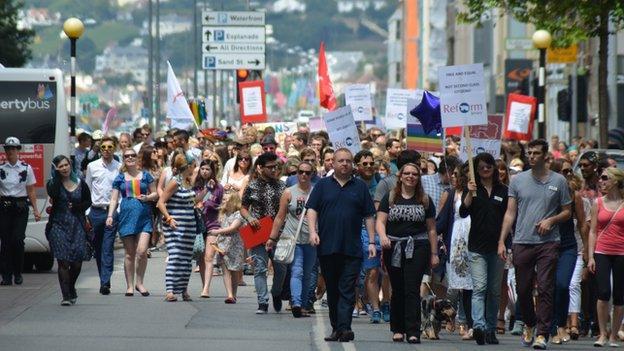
[[136, 189], [177, 206], [65, 231]]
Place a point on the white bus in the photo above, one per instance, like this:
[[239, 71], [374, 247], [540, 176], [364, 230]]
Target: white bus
[[33, 109]]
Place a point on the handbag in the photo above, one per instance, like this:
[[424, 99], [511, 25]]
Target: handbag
[[198, 247], [199, 223], [284, 251]]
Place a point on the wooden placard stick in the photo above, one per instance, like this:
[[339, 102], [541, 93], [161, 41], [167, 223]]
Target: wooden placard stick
[[470, 160]]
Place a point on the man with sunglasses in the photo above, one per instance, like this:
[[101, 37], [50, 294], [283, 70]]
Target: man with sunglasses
[[261, 198], [99, 178], [371, 266], [268, 143], [17, 189], [539, 200]]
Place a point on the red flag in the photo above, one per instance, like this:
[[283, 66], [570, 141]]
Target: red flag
[[326, 91]]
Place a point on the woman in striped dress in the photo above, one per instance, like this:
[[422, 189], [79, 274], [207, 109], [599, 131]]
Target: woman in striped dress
[[176, 204]]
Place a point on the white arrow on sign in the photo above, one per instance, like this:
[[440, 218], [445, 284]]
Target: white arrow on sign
[[233, 61], [233, 18], [232, 48], [234, 35]]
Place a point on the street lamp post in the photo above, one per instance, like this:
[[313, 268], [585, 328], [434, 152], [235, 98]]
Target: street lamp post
[[73, 28], [541, 40]]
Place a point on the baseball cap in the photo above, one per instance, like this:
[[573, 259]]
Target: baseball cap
[[12, 142]]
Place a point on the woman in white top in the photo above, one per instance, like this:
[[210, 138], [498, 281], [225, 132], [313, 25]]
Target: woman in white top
[[237, 177]]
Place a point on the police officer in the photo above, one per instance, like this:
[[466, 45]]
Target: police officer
[[17, 189]]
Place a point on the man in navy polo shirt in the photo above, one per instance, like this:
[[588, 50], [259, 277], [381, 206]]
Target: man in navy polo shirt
[[339, 204]]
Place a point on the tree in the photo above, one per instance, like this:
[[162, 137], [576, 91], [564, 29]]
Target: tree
[[569, 21], [14, 42]]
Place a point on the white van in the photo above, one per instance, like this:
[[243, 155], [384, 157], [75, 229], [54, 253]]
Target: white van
[[33, 109]]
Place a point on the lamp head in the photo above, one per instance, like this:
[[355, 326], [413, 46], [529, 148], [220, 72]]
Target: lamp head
[[542, 39], [73, 28]]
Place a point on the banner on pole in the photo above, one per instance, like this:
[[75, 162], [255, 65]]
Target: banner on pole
[[485, 138], [396, 107], [462, 95], [519, 117], [342, 129], [358, 96], [252, 101]]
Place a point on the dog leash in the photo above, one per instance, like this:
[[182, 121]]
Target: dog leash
[[430, 290]]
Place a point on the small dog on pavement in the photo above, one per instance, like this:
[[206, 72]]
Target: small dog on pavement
[[434, 311]]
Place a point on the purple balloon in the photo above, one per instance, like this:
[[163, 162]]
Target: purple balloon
[[428, 113]]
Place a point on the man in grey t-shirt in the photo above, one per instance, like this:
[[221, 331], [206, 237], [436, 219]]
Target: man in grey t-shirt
[[541, 200]]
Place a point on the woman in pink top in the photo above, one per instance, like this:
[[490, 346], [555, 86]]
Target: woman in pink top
[[606, 251]]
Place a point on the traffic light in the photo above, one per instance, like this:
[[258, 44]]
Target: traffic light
[[241, 76]]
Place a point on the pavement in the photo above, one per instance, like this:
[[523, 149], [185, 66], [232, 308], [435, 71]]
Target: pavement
[[31, 318]]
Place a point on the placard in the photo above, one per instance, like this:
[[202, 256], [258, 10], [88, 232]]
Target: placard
[[485, 138], [252, 101], [316, 124], [282, 129], [358, 96], [342, 129], [462, 95], [519, 117], [396, 107]]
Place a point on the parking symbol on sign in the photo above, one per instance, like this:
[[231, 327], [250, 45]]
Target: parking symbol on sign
[[219, 35], [210, 62], [222, 18]]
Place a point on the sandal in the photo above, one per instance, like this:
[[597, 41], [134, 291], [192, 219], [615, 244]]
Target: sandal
[[500, 327], [170, 297], [399, 338], [186, 297], [230, 300]]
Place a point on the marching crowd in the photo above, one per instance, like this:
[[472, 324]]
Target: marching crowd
[[520, 244]]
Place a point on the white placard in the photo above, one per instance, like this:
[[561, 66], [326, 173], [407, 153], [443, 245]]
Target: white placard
[[519, 117], [342, 130], [396, 107], [462, 95], [233, 18], [234, 35], [484, 138], [252, 101], [358, 96]]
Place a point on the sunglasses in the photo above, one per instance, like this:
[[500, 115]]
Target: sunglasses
[[308, 173], [130, 156], [107, 147], [246, 159], [566, 171], [367, 164], [604, 177], [292, 173], [145, 134]]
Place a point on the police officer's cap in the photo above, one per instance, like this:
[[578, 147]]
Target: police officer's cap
[[12, 142]]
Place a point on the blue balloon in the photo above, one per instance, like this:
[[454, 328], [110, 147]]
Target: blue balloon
[[428, 113]]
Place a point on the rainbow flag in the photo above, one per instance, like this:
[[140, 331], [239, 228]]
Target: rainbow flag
[[195, 111], [418, 140], [133, 188]]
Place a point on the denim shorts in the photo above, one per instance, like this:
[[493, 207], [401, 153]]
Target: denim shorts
[[370, 263]]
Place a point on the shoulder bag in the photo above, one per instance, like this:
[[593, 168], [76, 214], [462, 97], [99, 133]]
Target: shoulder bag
[[285, 247]]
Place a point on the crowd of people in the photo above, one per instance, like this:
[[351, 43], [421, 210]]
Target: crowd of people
[[520, 244]]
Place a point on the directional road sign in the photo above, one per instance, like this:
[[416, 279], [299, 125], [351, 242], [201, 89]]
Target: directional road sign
[[232, 48], [233, 18], [233, 61], [233, 35]]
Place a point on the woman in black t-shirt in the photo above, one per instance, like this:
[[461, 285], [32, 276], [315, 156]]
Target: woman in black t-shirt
[[406, 227]]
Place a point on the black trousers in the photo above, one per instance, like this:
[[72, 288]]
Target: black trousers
[[12, 234], [340, 273], [405, 281]]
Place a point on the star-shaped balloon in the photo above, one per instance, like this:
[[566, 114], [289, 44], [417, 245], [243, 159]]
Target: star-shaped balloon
[[428, 113]]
